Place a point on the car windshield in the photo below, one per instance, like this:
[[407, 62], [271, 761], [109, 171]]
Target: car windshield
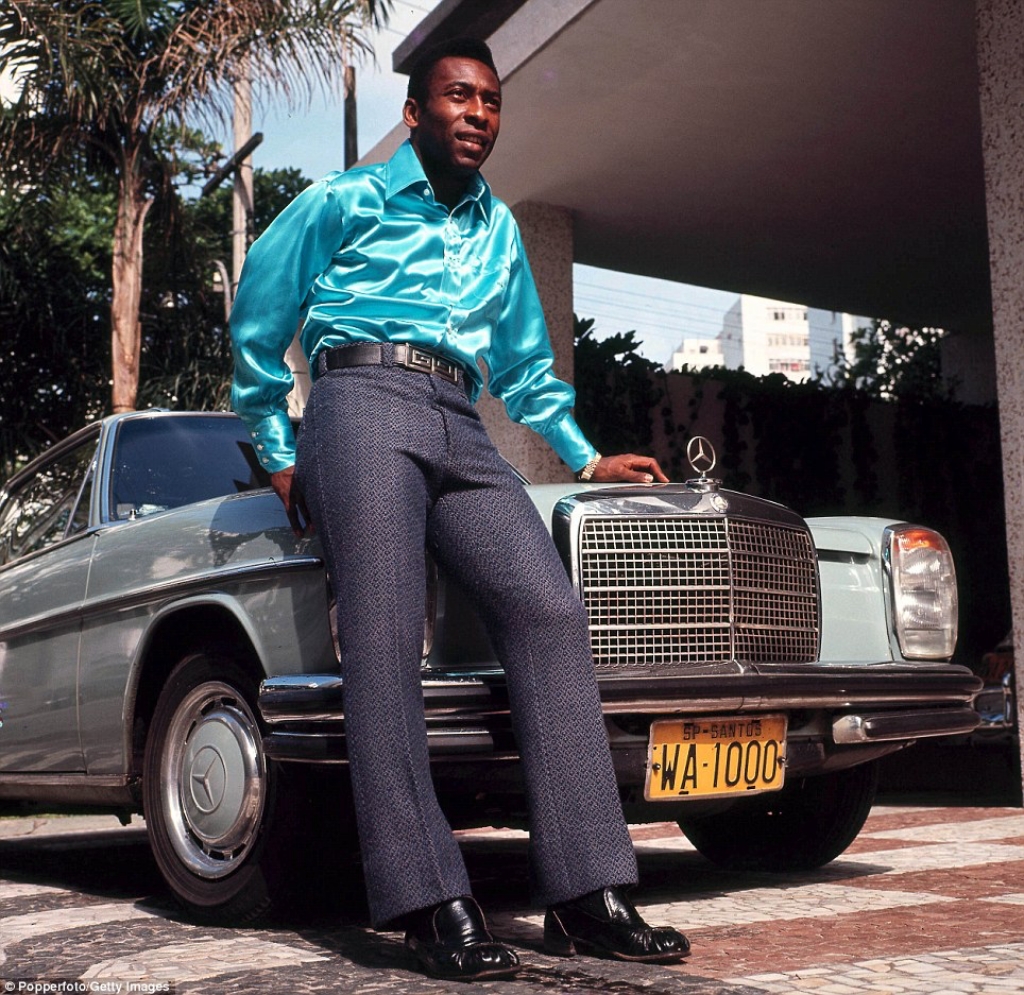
[[164, 462]]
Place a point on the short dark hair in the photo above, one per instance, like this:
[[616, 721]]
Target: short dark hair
[[462, 48]]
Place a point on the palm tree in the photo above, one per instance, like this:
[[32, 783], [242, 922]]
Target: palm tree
[[101, 81]]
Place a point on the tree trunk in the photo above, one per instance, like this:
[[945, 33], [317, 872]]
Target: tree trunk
[[132, 207]]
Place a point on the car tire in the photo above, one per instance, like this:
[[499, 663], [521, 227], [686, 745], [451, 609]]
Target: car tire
[[217, 811], [805, 825]]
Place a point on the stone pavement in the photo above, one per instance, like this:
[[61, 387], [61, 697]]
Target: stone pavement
[[928, 899]]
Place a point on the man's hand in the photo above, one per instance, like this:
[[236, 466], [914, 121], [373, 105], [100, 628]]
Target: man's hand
[[628, 468], [294, 503]]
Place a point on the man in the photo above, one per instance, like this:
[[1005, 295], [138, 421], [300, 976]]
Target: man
[[406, 276]]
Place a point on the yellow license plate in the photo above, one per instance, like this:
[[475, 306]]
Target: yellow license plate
[[725, 755]]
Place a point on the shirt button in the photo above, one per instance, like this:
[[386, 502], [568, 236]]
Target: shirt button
[[266, 459], [260, 447]]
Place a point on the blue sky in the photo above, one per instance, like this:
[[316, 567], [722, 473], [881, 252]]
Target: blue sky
[[310, 138]]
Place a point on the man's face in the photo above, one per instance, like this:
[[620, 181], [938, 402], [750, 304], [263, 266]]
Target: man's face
[[455, 129]]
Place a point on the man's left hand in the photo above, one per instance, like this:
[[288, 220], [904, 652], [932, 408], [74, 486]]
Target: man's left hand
[[628, 468]]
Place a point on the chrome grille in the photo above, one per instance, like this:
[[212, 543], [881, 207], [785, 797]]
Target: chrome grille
[[688, 590]]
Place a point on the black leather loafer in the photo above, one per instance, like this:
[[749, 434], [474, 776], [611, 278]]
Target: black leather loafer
[[605, 923], [451, 941]]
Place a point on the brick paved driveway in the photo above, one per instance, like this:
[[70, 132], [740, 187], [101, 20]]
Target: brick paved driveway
[[928, 899]]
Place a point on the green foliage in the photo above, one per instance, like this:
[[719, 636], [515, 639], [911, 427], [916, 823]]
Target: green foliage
[[614, 389], [110, 89], [101, 77], [186, 354], [892, 361], [55, 315], [55, 246]]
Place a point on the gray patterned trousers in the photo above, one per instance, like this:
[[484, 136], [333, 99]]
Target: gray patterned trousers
[[391, 460]]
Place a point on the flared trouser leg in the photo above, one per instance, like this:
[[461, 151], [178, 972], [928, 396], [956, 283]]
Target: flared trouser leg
[[391, 461]]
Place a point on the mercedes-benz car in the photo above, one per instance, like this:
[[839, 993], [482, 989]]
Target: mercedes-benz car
[[166, 648]]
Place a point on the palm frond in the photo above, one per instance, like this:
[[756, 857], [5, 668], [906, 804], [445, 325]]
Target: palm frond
[[299, 47], [141, 17], [101, 78], [121, 65]]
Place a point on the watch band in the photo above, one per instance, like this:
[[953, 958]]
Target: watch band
[[588, 471]]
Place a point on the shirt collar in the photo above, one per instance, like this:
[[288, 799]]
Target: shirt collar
[[405, 171]]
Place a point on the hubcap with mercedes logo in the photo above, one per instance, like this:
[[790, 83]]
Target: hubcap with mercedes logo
[[213, 781]]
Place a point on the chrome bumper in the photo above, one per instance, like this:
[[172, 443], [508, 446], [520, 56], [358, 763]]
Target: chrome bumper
[[885, 727], [467, 714]]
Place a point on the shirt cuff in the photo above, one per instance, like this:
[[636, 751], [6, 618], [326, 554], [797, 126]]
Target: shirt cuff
[[571, 445], [273, 440]]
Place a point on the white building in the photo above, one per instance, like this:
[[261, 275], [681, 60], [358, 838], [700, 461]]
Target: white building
[[767, 336], [826, 329], [696, 353]]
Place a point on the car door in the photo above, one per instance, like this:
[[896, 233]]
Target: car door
[[45, 549]]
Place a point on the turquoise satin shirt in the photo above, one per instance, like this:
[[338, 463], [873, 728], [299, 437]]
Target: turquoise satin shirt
[[370, 255]]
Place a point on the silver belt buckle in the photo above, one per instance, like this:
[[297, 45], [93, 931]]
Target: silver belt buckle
[[446, 370], [421, 359]]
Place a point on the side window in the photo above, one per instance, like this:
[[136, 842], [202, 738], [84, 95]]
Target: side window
[[161, 463], [54, 502]]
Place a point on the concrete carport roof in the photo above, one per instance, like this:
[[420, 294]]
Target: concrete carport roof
[[855, 155], [823, 151]]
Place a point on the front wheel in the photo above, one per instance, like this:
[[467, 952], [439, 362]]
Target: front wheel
[[805, 825], [209, 794]]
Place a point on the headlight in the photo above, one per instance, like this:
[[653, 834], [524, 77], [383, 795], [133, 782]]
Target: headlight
[[923, 591]]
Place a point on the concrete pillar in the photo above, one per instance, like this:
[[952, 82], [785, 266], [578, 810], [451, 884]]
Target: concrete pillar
[[1001, 82], [547, 235]]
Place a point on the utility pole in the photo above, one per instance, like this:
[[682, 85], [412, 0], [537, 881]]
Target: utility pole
[[242, 225], [224, 279], [351, 123]]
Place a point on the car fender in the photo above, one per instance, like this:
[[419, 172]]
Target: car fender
[[855, 588]]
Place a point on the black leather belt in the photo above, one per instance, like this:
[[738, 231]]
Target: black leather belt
[[400, 354]]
